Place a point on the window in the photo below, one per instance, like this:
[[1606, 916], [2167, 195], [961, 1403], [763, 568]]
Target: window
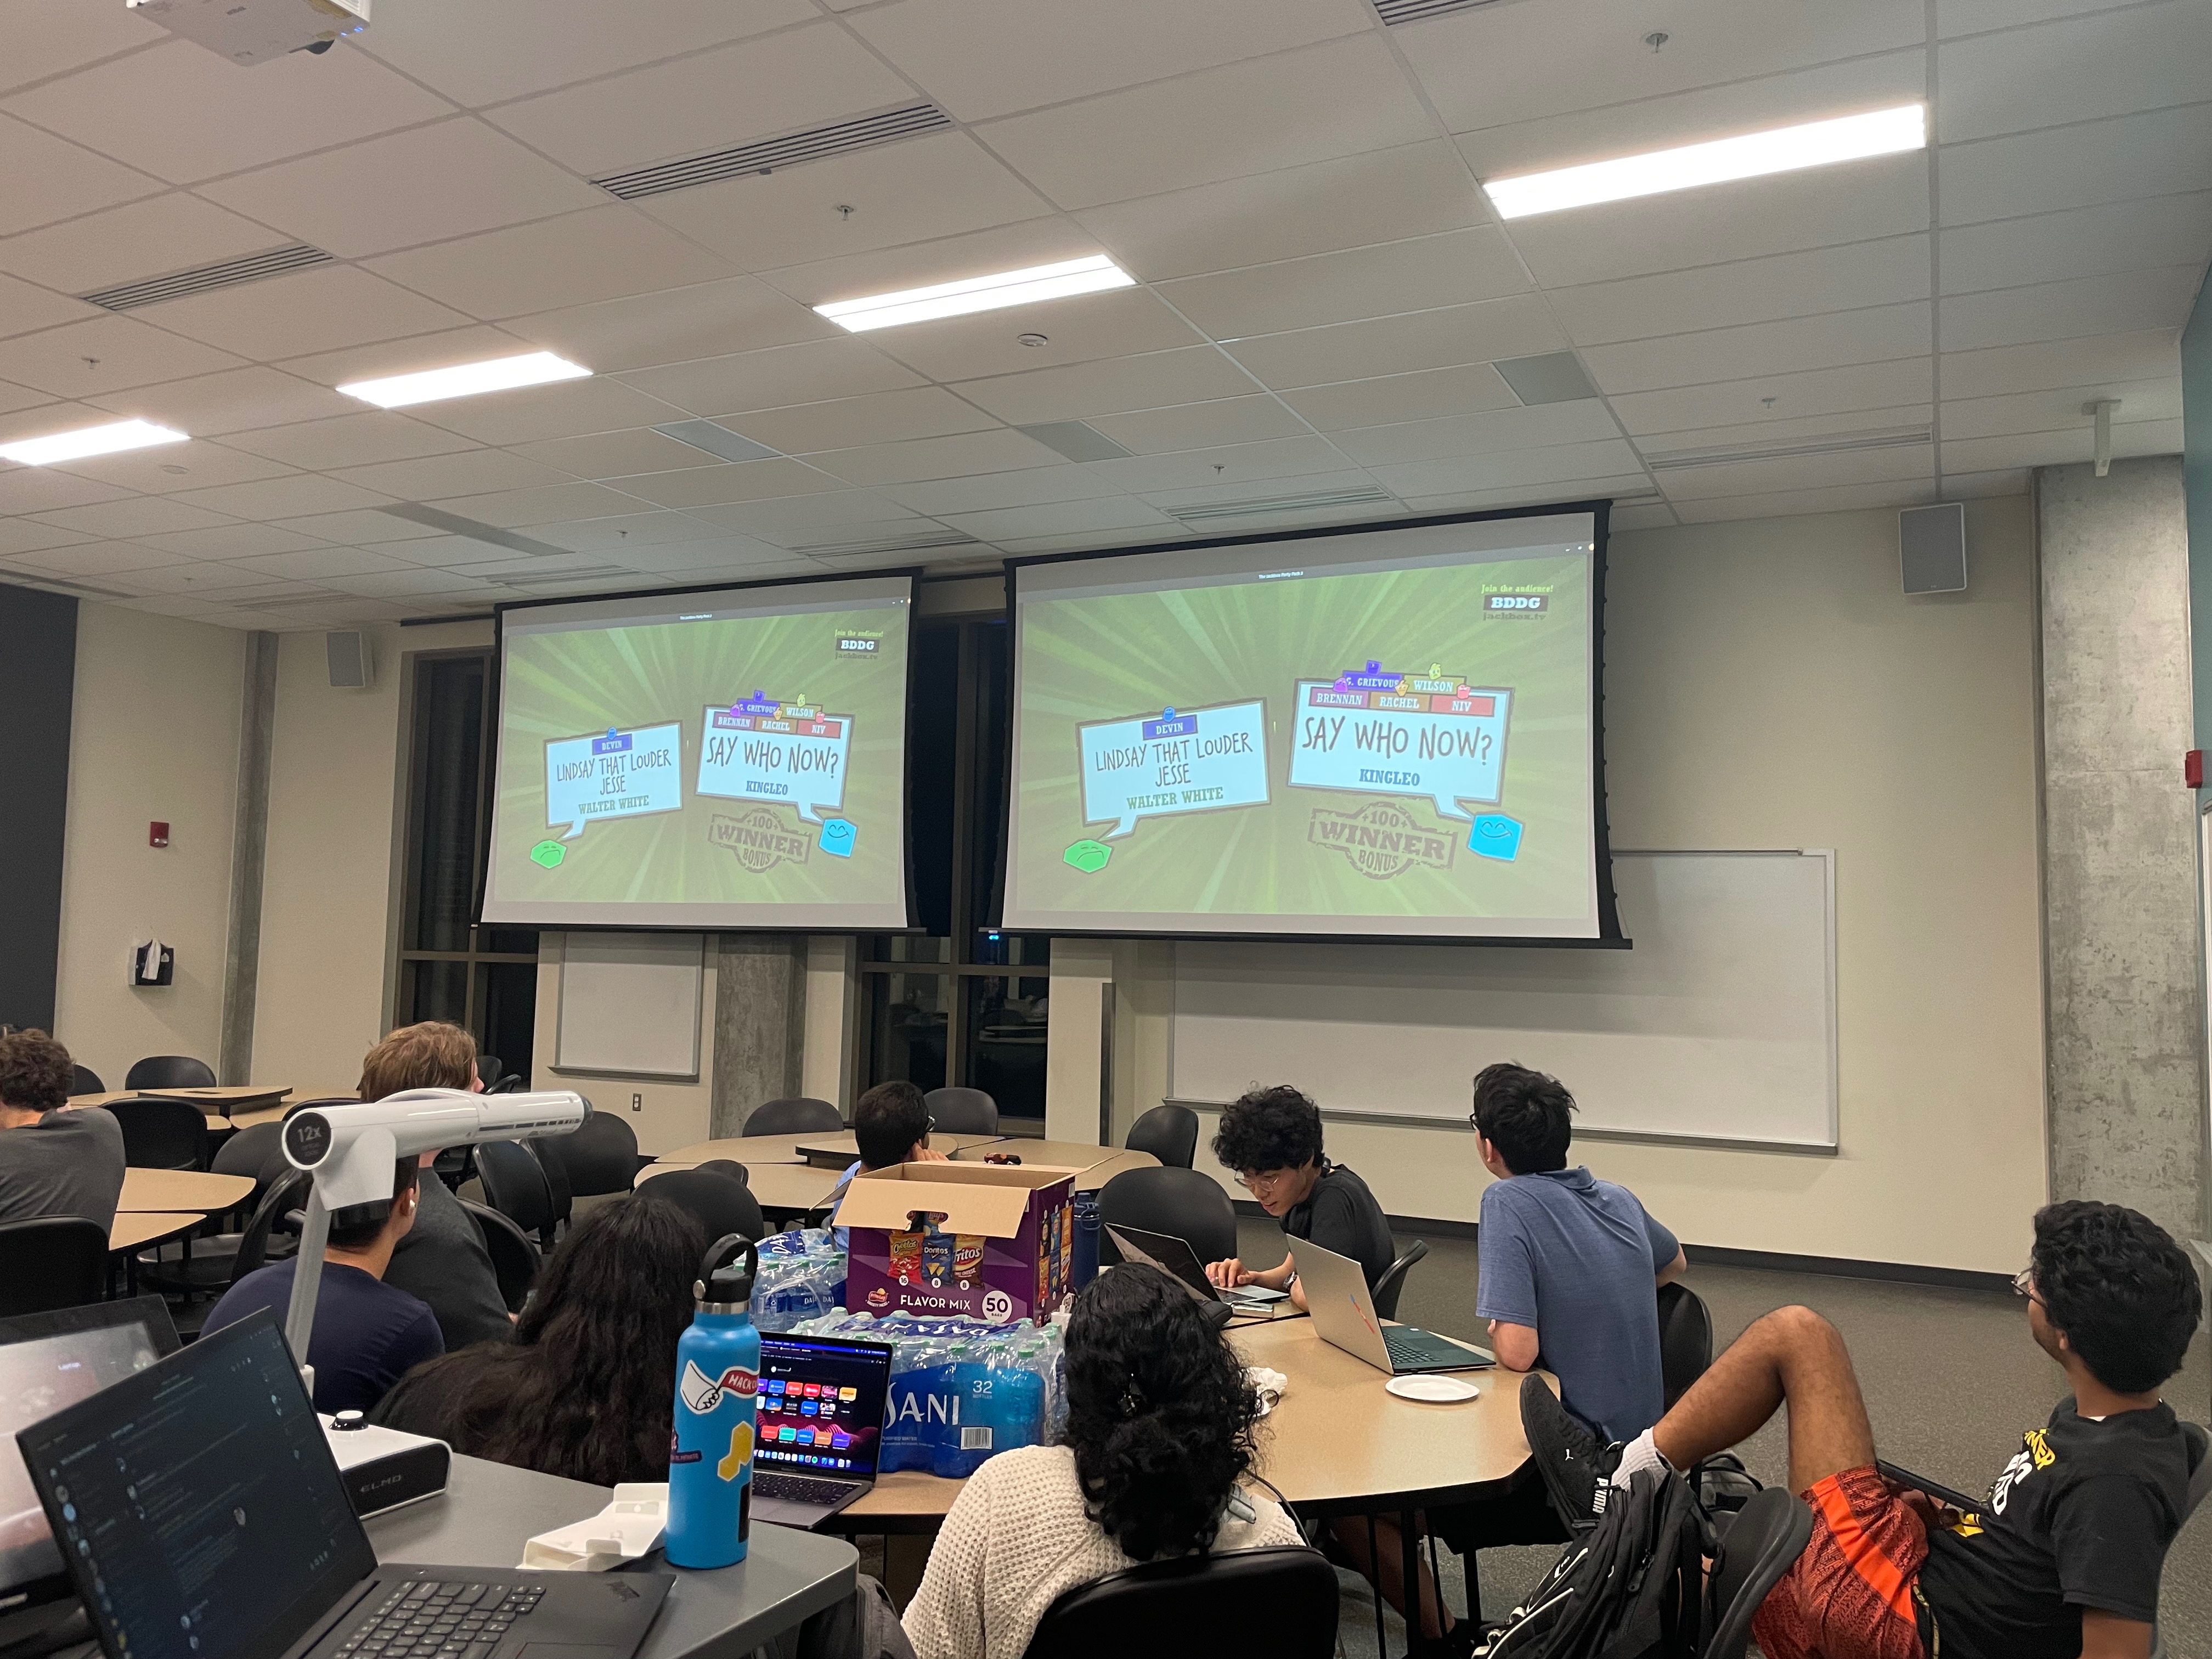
[[483, 979]]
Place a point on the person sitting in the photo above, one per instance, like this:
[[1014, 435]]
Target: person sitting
[[1271, 1139], [891, 1123], [441, 1259], [587, 1388], [2063, 1558], [1570, 1264], [1159, 1438], [368, 1334], [54, 1161]]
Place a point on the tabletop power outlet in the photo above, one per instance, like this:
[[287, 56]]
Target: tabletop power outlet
[[383, 1468]]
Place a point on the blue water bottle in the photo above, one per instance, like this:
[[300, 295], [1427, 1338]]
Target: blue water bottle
[[710, 1455]]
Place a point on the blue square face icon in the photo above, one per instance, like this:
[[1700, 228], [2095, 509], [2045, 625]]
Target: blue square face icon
[[1496, 836], [837, 837]]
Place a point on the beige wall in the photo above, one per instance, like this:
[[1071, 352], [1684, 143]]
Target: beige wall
[[154, 735]]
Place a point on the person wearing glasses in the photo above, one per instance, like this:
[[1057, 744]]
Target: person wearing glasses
[[892, 1124], [1271, 1139]]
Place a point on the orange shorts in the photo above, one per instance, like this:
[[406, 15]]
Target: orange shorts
[[1849, 1595]]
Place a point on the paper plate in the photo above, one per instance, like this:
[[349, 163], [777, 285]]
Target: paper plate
[[1438, 1390]]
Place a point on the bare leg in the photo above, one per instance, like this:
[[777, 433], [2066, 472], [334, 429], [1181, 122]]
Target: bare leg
[[1791, 1355], [1350, 1531]]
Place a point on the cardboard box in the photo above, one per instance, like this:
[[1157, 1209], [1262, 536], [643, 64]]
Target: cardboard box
[[1003, 1247]]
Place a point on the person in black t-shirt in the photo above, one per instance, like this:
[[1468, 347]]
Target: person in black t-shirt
[[2063, 1558], [1271, 1139]]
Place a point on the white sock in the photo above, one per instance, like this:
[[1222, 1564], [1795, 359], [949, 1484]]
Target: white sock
[[1641, 1452]]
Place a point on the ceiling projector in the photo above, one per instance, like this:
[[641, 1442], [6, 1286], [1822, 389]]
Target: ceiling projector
[[254, 31]]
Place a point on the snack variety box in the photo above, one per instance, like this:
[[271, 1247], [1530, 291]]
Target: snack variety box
[[993, 1243]]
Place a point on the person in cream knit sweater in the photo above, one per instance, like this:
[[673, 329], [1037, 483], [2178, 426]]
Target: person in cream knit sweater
[[1159, 1438]]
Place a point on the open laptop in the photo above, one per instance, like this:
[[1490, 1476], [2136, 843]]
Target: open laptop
[[1344, 1316], [202, 1517], [1175, 1257], [820, 1426]]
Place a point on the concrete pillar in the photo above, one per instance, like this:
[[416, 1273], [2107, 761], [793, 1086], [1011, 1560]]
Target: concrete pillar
[[760, 1024], [2126, 1027], [257, 733]]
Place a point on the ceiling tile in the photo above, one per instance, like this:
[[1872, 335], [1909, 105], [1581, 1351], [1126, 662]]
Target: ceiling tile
[[845, 422], [183, 113], [97, 559], [1843, 498], [1819, 391], [1957, 17], [2081, 69], [235, 400], [138, 515], [1628, 486], [843, 368], [623, 532], [1228, 467], [709, 320], [308, 311], [434, 477], [17, 398], [942, 259], [407, 581], [1057, 518], [510, 509], [1518, 326], [150, 238], [446, 179], [171, 467], [313, 564], [2093, 242], [28, 536], [2118, 304], [290, 498], [1426, 395], [736, 481], [1855, 274], [197, 576], [1031, 487], [1457, 268], [735, 558], [228, 541], [1775, 430], [1340, 98], [2060, 449], [1559, 464], [1850, 466], [570, 409], [834, 515], [2060, 409], [49, 178], [360, 527], [349, 440], [997, 451], [1242, 491], [2046, 365], [1873, 335], [1154, 380], [1491, 432], [1976, 486], [796, 79], [603, 253], [106, 354], [454, 345], [41, 38], [41, 489], [1120, 323], [1196, 426], [2163, 153], [613, 455]]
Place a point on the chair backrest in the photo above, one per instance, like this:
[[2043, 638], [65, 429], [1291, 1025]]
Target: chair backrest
[[1768, 1534], [794, 1115], [83, 1080], [963, 1111], [509, 1085], [551, 1153], [601, 1155], [1180, 1203], [283, 1195], [258, 1151], [1393, 1279], [54, 1262], [298, 1106], [728, 1166], [514, 1182], [489, 1069], [1686, 1338], [169, 1072], [1169, 1133], [1280, 1601], [514, 1258], [717, 1203], [161, 1133]]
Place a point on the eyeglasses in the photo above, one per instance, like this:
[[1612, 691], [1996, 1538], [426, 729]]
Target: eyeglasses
[[1264, 1180], [2023, 1285]]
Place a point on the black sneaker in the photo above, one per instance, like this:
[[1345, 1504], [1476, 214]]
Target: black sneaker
[[1568, 1455]]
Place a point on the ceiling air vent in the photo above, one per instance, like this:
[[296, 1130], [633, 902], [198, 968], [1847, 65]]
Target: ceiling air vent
[[1897, 437], [1201, 512], [1394, 12], [815, 144], [276, 262]]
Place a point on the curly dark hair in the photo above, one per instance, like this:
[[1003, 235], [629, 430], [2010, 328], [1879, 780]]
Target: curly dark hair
[[1269, 1128], [1526, 1114], [1159, 1413], [36, 1073], [2119, 1287]]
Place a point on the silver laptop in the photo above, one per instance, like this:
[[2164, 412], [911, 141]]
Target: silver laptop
[[1174, 1257], [821, 1426], [1344, 1316]]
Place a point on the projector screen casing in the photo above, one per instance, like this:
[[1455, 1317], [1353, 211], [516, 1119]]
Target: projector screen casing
[[1607, 935]]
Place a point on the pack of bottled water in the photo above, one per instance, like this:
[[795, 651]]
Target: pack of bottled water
[[802, 1277]]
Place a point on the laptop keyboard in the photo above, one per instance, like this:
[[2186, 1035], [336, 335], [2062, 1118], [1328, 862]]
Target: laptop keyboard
[[799, 1488], [427, 1620]]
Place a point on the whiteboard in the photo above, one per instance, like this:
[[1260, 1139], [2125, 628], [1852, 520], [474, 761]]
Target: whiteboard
[[1720, 1023], [630, 1003]]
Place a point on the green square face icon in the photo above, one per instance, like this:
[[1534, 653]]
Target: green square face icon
[[547, 853], [1089, 856]]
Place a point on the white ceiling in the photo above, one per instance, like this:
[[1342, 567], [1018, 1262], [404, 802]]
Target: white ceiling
[[1323, 287]]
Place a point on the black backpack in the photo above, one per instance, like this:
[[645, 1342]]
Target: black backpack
[[1632, 1587]]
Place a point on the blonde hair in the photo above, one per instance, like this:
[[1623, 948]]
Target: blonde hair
[[434, 1055]]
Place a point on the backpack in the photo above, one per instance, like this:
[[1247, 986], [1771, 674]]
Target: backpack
[[1632, 1587]]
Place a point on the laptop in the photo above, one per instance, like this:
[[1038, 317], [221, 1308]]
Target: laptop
[[820, 1426], [1344, 1316], [202, 1517], [1175, 1257]]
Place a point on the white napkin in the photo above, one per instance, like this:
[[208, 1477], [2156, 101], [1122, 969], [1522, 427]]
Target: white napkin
[[622, 1531], [1271, 1385]]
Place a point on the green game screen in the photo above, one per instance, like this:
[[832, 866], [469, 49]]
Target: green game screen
[[1377, 733], [726, 759]]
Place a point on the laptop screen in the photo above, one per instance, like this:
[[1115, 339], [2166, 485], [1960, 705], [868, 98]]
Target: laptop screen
[[200, 1503], [821, 1403]]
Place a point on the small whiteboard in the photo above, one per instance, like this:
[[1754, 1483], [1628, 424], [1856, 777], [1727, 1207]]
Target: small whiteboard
[[630, 1004], [1720, 1025]]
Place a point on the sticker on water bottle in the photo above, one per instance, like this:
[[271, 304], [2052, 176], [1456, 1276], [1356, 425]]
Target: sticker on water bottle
[[741, 1452], [701, 1393]]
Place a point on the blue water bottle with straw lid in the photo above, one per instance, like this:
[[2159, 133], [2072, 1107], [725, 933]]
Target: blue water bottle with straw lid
[[710, 1454]]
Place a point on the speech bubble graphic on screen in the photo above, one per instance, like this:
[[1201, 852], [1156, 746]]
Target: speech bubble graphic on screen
[[1189, 760], [1375, 732], [615, 774], [783, 751]]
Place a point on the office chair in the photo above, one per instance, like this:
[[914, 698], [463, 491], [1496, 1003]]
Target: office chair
[[83, 1080], [728, 1166], [552, 1153], [514, 1182], [514, 1258], [601, 1157], [513, 1083], [257, 1151], [1180, 1203], [54, 1262], [1686, 1338], [1280, 1601], [1769, 1534], [1394, 1280], [162, 1134], [249, 1251], [794, 1115], [963, 1111], [720, 1205], [299, 1106], [489, 1069], [169, 1072], [1169, 1133]]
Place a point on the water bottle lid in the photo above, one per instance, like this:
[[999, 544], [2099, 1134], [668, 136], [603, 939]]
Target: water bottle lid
[[727, 1273]]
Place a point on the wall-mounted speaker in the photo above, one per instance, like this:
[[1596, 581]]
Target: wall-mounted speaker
[[1931, 548], [352, 665]]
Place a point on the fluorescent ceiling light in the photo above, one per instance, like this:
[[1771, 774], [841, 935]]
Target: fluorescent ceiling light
[[465, 380], [109, 439], [1784, 149], [1008, 288]]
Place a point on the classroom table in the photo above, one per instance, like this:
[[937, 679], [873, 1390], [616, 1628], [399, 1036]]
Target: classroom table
[[836, 1152], [231, 1103], [488, 1511], [1094, 1165], [790, 1188], [135, 1230], [148, 1191], [747, 1150]]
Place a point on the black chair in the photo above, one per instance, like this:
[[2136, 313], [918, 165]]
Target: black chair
[[257, 1151], [514, 1258], [794, 1115], [169, 1072], [601, 1157], [1169, 1133], [1280, 1601], [1686, 1338], [1180, 1203], [962, 1111], [299, 1106], [551, 1153], [730, 1167], [512, 1084], [718, 1203], [54, 1262], [489, 1069], [1768, 1534], [83, 1080], [283, 1199], [514, 1182], [1393, 1279], [162, 1134]]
